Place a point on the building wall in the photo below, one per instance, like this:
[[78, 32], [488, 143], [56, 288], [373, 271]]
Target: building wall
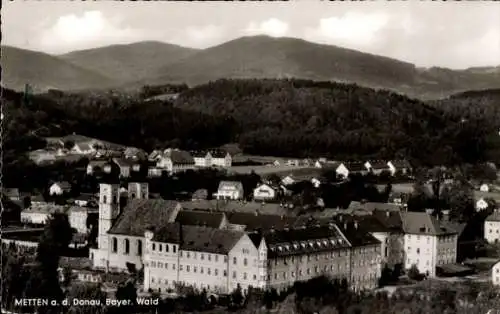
[[119, 258], [34, 217], [161, 267], [421, 251], [78, 220], [495, 274], [446, 249], [342, 171], [264, 192], [492, 231], [215, 270], [233, 194], [365, 267], [244, 265]]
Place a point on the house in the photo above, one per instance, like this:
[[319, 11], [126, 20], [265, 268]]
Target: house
[[399, 198], [277, 163], [39, 214], [134, 153], [59, 188], [288, 180], [83, 148], [342, 171], [98, 166], [484, 187], [155, 155], [85, 199], [495, 274], [232, 190], [37, 200], [482, 204], [293, 162], [264, 192], [201, 194], [377, 167], [492, 227], [399, 166], [78, 217], [175, 160], [212, 158], [12, 193], [358, 168], [125, 166], [428, 244]]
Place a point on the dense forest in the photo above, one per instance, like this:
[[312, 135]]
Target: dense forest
[[265, 117]]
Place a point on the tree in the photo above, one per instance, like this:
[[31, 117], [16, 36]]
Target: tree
[[69, 144], [237, 297], [87, 292], [414, 273]]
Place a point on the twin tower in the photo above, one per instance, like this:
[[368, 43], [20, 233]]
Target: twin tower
[[110, 206]]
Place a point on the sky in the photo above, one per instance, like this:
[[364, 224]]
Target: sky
[[446, 34]]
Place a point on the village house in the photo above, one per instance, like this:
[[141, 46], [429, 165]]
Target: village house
[[98, 166], [484, 187], [288, 180], [39, 214], [175, 160], [492, 227], [134, 153], [125, 166], [78, 217], [399, 166], [377, 167], [230, 190], [198, 195], [59, 188], [85, 200], [495, 274], [356, 168], [212, 158], [293, 162], [265, 192], [83, 148], [428, 244], [342, 171], [42, 156], [482, 204]]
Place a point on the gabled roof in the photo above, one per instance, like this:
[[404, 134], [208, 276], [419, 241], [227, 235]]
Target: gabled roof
[[83, 146], [379, 165], [495, 216], [238, 206], [400, 164], [390, 219], [217, 153], [260, 221], [180, 157], [303, 240], [200, 194], [198, 239], [199, 153], [140, 214], [98, 163], [230, 185], [355, 167], [371, 206], [200, 218], [424, 224]]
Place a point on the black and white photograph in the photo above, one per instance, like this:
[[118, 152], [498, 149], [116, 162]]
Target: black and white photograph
[[250, 157]]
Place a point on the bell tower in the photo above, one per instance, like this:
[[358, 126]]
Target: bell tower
[[109, 209]]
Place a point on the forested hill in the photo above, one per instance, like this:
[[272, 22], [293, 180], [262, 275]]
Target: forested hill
[[285, 117], [265, 117]]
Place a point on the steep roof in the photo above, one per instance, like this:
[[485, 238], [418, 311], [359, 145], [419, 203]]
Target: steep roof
[[371, 206], [355, 167], [200, 194], [400, 164], [199, 218], [83, 146], [180, 157], [390, 219], [11, 192], [140, 214], [199, 153], [63, 185], [217, 153], [379, 165], [238, 206], [495, 216], [303, 240], [423, 223], [198, 239]]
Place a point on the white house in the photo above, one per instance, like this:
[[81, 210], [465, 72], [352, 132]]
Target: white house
[[213, 158], [264, 192], [316, 182], [84, 148], [39, 214], [175, 160], [58, 188], [288, 180], [342, 171], [377, 167], [492, 227], [427, 244], [401, 166], [481, 204], [78, 216], [495, 274], [232, 190], [484, 187]]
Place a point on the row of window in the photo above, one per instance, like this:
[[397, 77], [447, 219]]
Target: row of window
[[496, 230], [126, 246], [161, 246]]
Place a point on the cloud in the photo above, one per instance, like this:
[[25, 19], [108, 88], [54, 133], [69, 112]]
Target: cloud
[[200, 36], [353, 29], [81, 31], [271, 27]]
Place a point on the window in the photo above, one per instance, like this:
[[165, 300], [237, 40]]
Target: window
[[195, 269], [160, 247], [180, 267], [244, 276], [254, 277], [216, 272], [275, 276], [209, 257], [202, 256], [209, 271], [153, 248], [225, 273], [115, 200], [139, 247], [418, 250], [153, 264], [201, 270], [188, 255], [245, 261], [173, 266], [174, 249], [104, 199], [234, 275], [166, 265], [234, 260], [160, 264], [187, 268], [114, 245], [216, 258]]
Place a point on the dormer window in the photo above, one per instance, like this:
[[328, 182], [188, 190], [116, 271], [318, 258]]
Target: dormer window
[[325, 243], [332, 242]]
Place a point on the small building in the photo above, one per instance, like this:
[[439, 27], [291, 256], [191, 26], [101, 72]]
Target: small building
[[377, 167], [495, 274], [399, 166], [264, 192], [42, 156], [200, 195], [12, 193], [59, 188], [492, 227], [78, 217], [484, 187], [97, 166], [134, 153], [84, 148], [356, 168], [85, 200], [125, 166], [481, 204], [175, 160], [230, 190], [288, 180], [342, 171], [39, 214]]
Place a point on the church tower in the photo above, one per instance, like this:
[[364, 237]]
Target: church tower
[[138, 190], [109, 209]]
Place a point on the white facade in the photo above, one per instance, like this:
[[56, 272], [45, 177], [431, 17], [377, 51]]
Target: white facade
[[167, 265], [264, 192], [78, 218], [230, 190], [495, 274], [492, 230], [484, 188], [316, 182], [342, 171], [288, 180], [209, 160], [429, 251], [166, 163], [57, 189], [33, 217], [481, 204]]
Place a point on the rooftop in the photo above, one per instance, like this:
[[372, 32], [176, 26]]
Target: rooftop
[[200, 218], [423, 223]]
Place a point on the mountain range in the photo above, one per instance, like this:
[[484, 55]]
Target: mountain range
[[156, 63]]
